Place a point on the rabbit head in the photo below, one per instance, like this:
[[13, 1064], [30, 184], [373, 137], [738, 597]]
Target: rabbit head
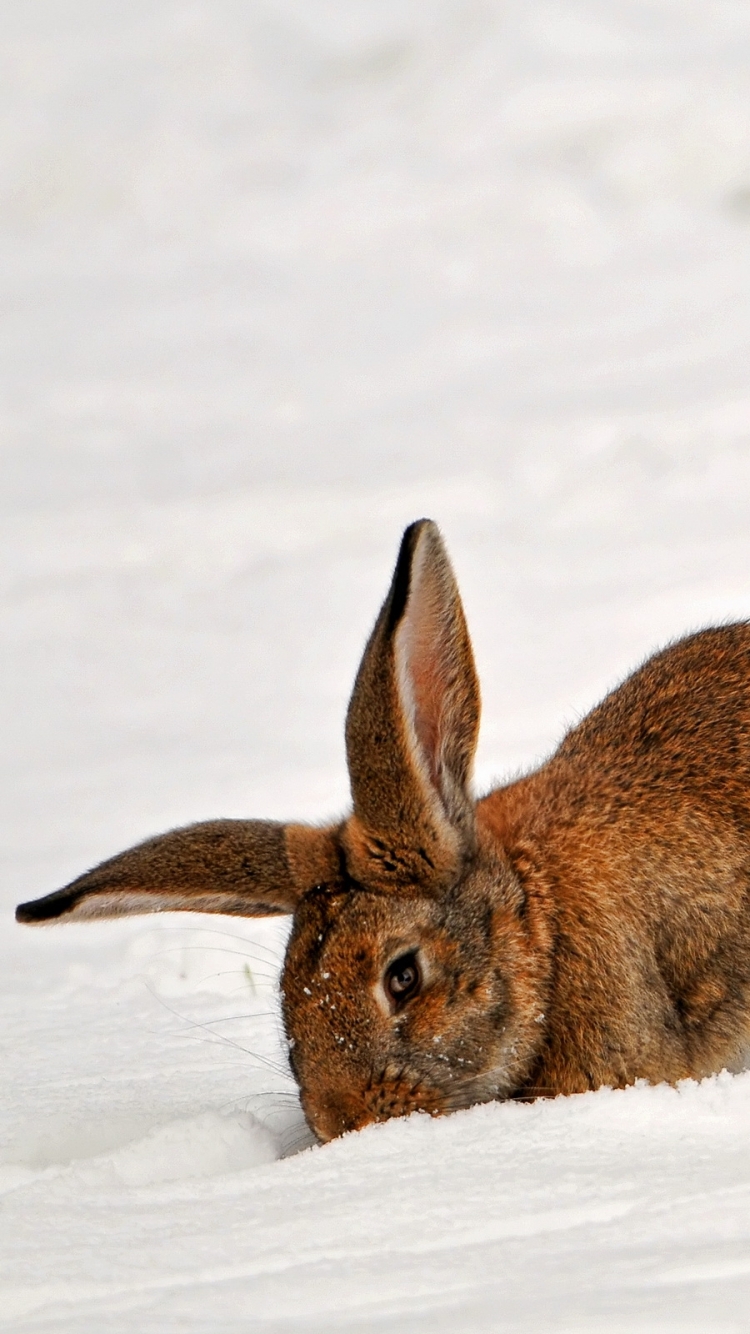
[[412, 979]]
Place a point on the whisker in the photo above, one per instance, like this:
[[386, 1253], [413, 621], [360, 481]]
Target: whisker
[[284, 1102], [231, 972], [303, 1139], [230, 935], [532, 1097], [219, 1038], [215, 949], [232, 1018], [291, 1095]]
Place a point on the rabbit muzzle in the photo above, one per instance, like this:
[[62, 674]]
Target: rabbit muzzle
[[337, 1111]]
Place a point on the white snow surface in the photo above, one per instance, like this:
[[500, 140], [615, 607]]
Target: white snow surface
[[277, 278]]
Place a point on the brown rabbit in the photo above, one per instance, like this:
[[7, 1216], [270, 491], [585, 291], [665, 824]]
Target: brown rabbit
[[588, 924]]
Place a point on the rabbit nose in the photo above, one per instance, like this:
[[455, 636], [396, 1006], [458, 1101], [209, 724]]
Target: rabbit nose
[[335, 1114]]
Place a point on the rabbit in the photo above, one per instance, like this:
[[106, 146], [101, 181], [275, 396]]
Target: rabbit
[[587, 924]]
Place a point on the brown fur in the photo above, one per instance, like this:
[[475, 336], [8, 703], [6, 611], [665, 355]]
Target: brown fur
[[586, 925]]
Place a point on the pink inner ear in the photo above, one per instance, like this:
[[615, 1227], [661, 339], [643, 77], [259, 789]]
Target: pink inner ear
[[424, 662]]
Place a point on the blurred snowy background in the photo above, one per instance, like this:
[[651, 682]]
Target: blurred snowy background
[[275, 279]]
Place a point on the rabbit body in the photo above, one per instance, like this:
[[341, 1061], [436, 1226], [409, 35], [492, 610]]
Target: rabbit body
[[588, 924], [634, 837]]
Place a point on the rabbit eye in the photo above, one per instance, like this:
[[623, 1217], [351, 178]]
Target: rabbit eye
[[403, 979]]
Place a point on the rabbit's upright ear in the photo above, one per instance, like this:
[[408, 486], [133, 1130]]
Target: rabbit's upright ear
[[412, 725], [246, 868]]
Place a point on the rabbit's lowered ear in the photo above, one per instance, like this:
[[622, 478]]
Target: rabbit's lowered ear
[[412, 726], [246, 868]]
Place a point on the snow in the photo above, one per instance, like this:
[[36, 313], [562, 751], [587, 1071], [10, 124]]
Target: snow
[[277, 279]]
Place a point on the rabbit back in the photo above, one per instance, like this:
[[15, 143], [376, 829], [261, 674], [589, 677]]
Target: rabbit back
[[635, 836]]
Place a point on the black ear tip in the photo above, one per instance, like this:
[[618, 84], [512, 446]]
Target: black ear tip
[[412, 532], [46, 909], [402, 573], [24, 912]]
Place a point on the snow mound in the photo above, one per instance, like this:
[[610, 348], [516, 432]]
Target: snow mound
[[504, 1217], [201, 1146], [208, 1145]]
